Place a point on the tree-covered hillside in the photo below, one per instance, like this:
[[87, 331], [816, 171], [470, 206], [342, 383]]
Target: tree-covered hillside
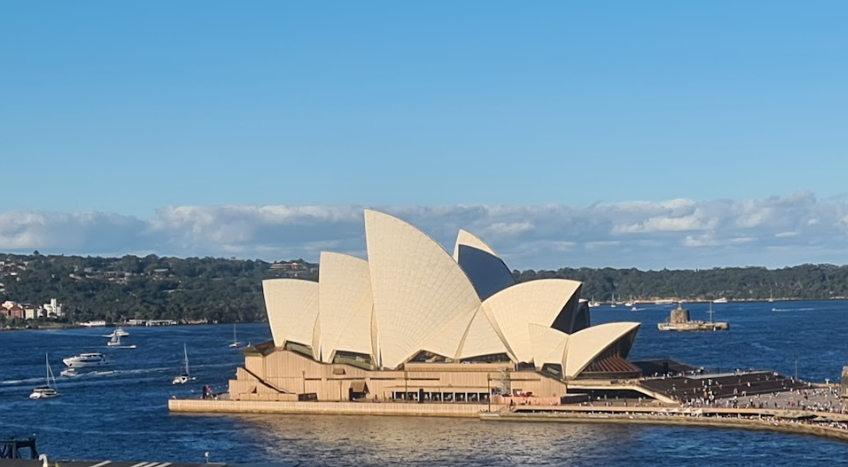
[[807, 281], [149, 287], [227, 290]]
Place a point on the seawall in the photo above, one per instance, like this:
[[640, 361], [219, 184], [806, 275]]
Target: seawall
[[675, 420], [718, 418], [325, 408]]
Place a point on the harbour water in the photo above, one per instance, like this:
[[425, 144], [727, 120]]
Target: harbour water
[[121, 413]]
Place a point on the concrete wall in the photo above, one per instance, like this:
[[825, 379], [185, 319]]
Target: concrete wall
[[328, 408], [289, 372]]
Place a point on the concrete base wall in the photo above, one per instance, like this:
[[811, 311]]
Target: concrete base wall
[[326, 408], [679, 420]]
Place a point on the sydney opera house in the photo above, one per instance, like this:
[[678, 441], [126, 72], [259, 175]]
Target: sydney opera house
[[413, 322]]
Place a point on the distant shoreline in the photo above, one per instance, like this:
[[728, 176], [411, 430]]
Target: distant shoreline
[[80, 326]]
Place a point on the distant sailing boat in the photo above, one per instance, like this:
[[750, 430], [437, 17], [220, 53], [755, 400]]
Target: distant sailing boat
[[186, 376], [235, 343], [46, 392], [115, 341]]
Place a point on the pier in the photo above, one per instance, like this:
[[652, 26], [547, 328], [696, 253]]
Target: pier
[[14, 448]]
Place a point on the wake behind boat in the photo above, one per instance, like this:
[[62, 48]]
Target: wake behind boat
[[48, 391], [87, 360]]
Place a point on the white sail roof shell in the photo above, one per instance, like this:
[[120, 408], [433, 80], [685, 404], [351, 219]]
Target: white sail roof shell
[[417, 288], [481, 338], [345, 304], [468, 239], [292, 306], [412, 296], [548, 345], [585, 345], [534, 302]]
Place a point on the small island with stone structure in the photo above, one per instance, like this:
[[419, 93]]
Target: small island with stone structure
[[678, 320]]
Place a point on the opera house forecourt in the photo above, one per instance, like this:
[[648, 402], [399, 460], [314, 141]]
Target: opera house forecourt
[[414, 330]]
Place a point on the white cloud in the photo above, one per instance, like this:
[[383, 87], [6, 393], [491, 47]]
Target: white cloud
[[698, 241], [678, 233], [595, 246], [508, 229]]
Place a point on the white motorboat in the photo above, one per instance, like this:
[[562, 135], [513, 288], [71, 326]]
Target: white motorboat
[[69, 373], [94, 324], [184, 377], [93, 359], [119, 331], [48, 391], [235, 343]]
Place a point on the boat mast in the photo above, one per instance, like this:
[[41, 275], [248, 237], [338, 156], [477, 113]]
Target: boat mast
[[51, 380], [185, 352]]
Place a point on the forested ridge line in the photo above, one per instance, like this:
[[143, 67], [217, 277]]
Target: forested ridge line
[[230, 290]]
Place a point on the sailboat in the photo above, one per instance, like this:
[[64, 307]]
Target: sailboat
[[46, 392], [186, 376], [115, 341], [235, 343]]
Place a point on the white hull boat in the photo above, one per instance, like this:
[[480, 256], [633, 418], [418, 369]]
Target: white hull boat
[[185, 377], [115, 342], [49, 391], [87, 360]]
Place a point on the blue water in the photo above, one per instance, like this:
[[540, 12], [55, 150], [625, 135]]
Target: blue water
[[123, 414]]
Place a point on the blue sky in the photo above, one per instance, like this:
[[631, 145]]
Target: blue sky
[[112, 112]]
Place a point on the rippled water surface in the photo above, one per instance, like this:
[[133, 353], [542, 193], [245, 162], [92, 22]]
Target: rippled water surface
[[122, 414]]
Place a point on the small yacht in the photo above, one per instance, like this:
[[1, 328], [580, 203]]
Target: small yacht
[[235, 343], [48, 391], [93, 359], [184, 377], [115, 342]]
